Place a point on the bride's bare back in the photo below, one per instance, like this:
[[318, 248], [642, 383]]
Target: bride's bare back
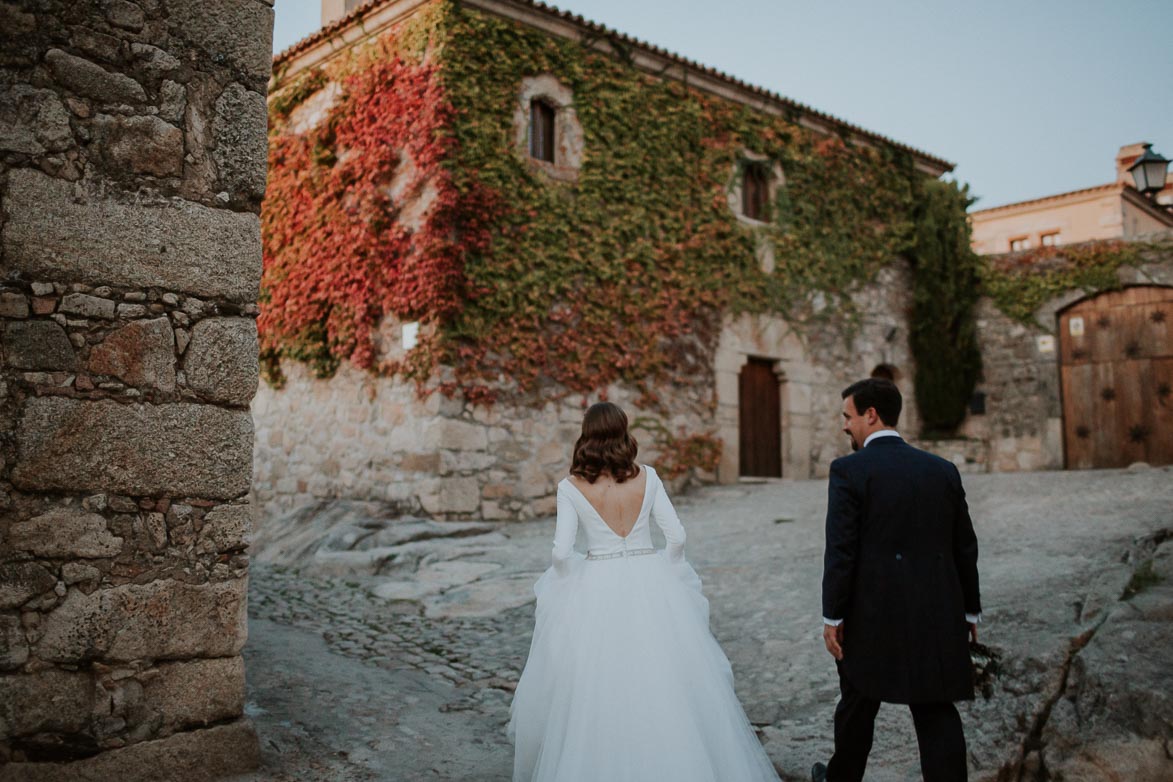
[[617, 503]]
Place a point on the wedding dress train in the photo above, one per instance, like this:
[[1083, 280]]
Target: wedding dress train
[[624, 680]]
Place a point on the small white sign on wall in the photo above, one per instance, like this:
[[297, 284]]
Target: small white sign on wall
[[1046, 343], [411, 333], [1075, 327]]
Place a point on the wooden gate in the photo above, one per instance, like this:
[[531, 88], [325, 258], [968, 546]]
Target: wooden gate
[[760, 414], [1116, 367]]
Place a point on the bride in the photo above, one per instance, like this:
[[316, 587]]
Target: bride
[[624, 679]]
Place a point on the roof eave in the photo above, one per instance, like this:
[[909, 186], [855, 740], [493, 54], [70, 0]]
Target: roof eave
[[371, 18], [1082, 193], [360, 24]]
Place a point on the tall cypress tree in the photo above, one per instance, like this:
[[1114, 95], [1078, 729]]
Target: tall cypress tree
[[943, 334]]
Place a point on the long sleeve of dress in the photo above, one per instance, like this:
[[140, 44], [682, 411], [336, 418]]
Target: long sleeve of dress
[[565, 530], [669, 523]]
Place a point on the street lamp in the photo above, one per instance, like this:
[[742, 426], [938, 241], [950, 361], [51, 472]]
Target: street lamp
[[1149, 170]]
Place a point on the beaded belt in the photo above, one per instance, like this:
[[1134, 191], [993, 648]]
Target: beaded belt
[[634, 552]]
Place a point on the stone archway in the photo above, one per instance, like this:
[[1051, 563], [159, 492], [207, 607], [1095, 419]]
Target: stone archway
[[1116, 374], [766, 342]]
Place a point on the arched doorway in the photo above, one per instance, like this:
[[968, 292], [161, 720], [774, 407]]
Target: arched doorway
[[1116, 369], [760, 419]]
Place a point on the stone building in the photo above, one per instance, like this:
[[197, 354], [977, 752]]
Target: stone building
[[551, 167], [1080, 377], [762, 387], [132, 167]]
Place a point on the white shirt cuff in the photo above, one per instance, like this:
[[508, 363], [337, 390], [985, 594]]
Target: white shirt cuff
[[971, 618]]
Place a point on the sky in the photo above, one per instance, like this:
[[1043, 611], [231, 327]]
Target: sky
[[1027, 97]]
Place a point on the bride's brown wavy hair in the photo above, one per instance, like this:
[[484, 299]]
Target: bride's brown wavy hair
[[605, 445]]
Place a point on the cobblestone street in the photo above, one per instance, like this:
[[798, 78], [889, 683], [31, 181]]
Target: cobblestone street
[[405, 671]]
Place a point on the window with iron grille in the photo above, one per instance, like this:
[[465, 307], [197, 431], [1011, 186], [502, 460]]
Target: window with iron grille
[[541, 131], [755, 191]]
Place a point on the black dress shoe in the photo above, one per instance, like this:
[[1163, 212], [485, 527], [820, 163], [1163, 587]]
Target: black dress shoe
[[819, 772]]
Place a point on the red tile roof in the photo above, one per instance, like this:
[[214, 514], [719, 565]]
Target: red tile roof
[[598, 29]]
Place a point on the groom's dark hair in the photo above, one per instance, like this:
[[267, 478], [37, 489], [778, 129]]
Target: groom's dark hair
[[878, 393]]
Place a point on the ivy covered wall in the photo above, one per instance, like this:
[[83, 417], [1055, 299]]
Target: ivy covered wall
[[529, 286], [400, 191], [1020, 284]]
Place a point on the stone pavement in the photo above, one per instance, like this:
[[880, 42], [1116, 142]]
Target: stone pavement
[[388, 650]]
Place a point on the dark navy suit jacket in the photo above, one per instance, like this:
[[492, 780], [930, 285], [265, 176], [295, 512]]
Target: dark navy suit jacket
[[900, 570]]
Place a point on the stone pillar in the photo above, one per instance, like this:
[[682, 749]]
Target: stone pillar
[[132, 166]]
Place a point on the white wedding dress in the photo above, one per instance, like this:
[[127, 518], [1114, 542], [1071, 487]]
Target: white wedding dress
[[625, 681]]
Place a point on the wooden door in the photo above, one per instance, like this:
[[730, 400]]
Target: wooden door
[[760, 414], [1116, 369]]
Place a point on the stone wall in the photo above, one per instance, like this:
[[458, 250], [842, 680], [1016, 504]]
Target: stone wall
[[132, 165], [357, 436], [815, 361], [361, 437], [1022, 427]]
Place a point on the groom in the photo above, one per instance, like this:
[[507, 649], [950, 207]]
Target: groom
[[900, 589]]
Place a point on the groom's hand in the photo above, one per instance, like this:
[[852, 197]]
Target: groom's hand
[[833, 638], [972, 632]]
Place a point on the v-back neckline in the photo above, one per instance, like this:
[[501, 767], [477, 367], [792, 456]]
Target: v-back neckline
[[599, 516]]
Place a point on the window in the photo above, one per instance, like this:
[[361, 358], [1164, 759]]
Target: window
[[1019, 243], [547, 137], [1050, 239], [755, 191], [541, 131]]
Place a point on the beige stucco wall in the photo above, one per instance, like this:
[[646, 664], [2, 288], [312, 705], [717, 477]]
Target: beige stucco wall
[[1078, 217]]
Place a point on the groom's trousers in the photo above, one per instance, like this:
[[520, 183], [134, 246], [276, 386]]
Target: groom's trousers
[[938, 733]]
